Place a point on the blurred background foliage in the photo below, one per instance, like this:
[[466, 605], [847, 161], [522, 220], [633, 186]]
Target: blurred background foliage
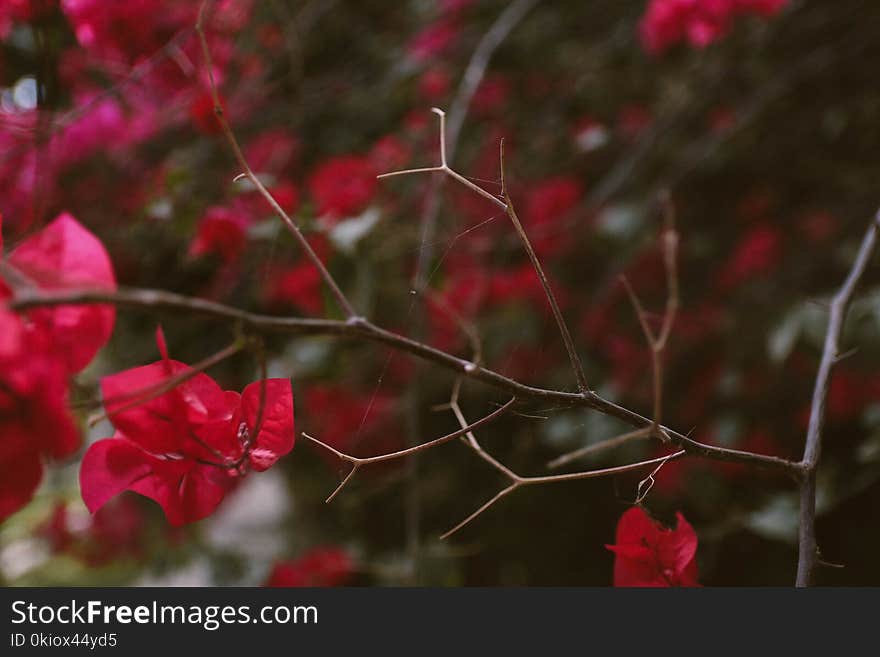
[[766, 138]]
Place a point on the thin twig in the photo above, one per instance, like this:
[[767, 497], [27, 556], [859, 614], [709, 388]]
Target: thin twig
[[506, 205], [359, 462], [808, 553], [291, 225], [656, 342], [468, 328], [601, 446], [545, 283], [467, 87], [517, 480]]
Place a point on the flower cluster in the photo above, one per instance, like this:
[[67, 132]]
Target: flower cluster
[[699, 22], [188, 447], [648, 554], [41, 349], [321, 566]]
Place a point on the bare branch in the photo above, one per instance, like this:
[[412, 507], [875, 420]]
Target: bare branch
[[610, 443], [669, 244], [517, 480], [358, 462], [503, 492], [474, 73], [156, 300], [656, 343], [551, 298], [808, 553], [572, 476], [479, 63], [506, 205], [291, 225]]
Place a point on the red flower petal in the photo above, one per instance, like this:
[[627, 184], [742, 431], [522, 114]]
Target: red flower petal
[[109, 467], [186, 492], [647, 554], [11, 334], [19, 479], [324, 566], [677, 548], [343, 186], [276, 435], [201, 111], [221, 231], [635, 526], [163, 424], [154, 424], [66, 255]]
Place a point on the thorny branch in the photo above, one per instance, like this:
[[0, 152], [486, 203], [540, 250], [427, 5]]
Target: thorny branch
[[156, 300], [808, 552], [291, 225], [656, 342], [506, 205], [470, 81], [359, 462], [516, 480]]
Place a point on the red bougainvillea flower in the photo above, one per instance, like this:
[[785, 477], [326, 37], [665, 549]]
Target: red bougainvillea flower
[[459, 300], [390, 153], [434, 84], [765, 8], [633, 120], [699, 22], [521, 283], [323, 566], [201, 111], [354, 422], [116, 531], [547, 204], [298, 286], [252, 205], [41, 349], [343, 186], [648, 554], [721, 119], [22, 11], [757, 254], [64, 255], [127, 30], [433, 41], [187, 448], [34, 420], [221, 231], [491, 96], [272, 151]]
